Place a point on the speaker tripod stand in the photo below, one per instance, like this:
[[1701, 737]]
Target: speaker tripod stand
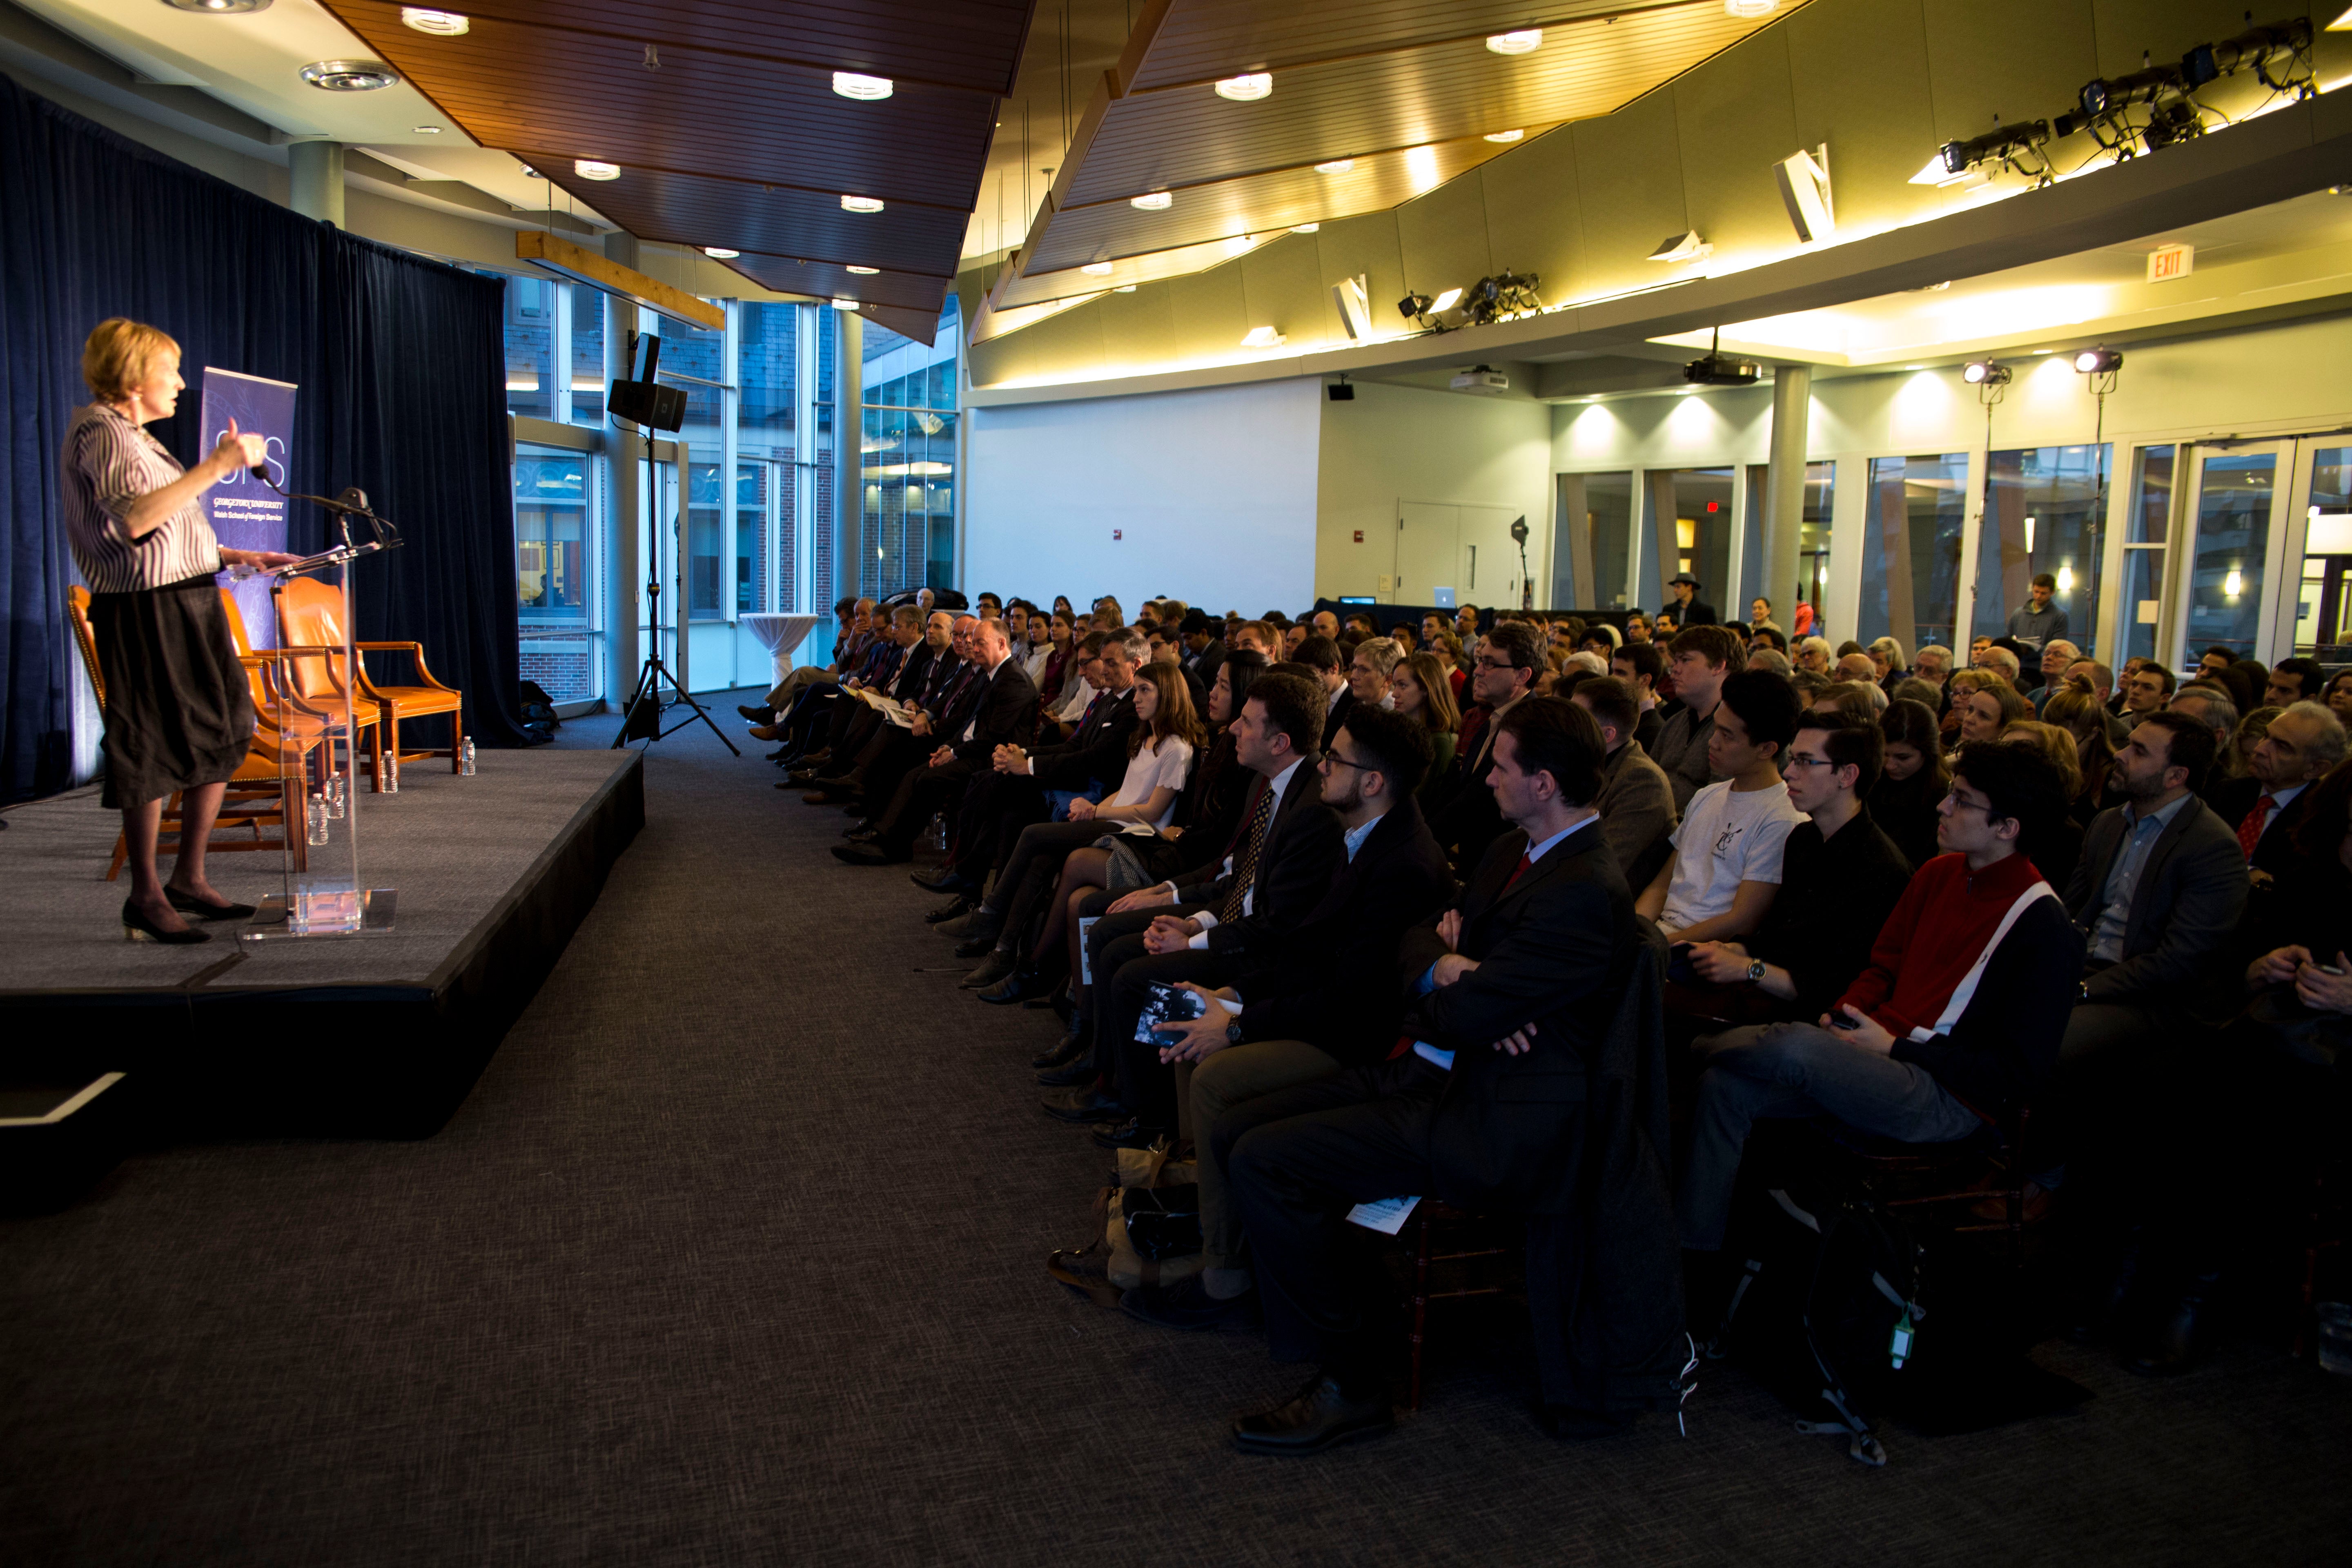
[[641, 718]]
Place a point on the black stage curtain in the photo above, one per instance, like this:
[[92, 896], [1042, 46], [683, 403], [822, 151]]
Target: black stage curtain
[[402, 370]]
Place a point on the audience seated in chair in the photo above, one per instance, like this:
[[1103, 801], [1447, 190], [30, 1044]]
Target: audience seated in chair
[[1702, 658], [1463, 815], [1726, 865], [1637, 803]]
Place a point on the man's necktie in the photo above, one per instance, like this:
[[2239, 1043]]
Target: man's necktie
[[1517, 871], [1245, 869], [2250, 831]]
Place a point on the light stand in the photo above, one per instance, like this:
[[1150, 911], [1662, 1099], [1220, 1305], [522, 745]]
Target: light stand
[[641, 717]]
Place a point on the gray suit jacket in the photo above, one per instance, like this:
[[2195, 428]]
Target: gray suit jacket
[[2189, 899], [1637, 810]]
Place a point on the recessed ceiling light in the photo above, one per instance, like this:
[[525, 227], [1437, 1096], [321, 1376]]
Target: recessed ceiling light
[[589, 169], [865, 89], [1304, 227], [440, 24], [1152, 201], [718, 254], [1505, 135], [1246, 89], [861, 203], [1097, 268], [531, 173], [842, 303], [349, 76], [864, 271], [1525, 41], [1336, 166], [425, 131], [219, 7]]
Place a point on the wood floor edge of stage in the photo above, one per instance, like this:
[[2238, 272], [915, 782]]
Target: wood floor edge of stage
[[229, 1057]]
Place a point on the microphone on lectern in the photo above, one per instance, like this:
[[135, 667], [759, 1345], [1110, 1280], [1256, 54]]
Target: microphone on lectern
[[354, 497]]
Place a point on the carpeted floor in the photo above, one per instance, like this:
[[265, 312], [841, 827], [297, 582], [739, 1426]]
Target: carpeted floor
[[735, 1256]]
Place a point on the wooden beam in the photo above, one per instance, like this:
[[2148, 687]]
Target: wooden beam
[[561, 256]]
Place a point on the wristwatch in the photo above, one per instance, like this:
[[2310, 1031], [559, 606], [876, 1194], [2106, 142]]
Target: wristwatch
[[1756, 972], [1233, 1032]]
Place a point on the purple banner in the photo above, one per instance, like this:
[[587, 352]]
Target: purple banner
[[246, 514]]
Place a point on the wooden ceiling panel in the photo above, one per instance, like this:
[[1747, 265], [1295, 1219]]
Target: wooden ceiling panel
[[686, 209], [1260, 204], [1168, 141], [973, 45], [1206, 40], [699, 112], [831, 280]]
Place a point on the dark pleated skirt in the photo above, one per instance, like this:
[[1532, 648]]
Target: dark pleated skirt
[[178, 712]]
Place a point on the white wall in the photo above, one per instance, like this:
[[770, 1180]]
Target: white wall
[[1395, 444], [1212, 492]]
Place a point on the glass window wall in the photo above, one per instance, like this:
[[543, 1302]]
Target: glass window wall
[[556, 568], [2046, 513], [2146, 522], [1911, 549], [2323, 613], [909, 468], [2233, 525], [530, 337]]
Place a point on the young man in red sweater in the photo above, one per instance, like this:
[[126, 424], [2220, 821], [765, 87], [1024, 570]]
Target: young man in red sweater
[[1955, 1021]]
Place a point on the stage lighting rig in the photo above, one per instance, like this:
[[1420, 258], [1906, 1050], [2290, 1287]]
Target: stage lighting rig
[[1490, 299], [1986, 373], [2018, 147], [2103, 108], [2282, 45]]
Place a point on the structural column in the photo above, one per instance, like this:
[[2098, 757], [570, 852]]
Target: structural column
[[849, 453], [315, 177], [1784, 509]]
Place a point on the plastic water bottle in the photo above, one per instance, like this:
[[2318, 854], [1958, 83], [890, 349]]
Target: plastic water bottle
[[391, 773], [318, 816], [335, 798], [936, 836], [465, 759]]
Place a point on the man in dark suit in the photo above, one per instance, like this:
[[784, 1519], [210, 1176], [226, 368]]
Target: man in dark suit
[[1689, 609], [1204, 650], [1478, 1103], [1464, 815], [1322, 655], [2303, 744], [1000, 705], [1311, 1000], [850, 726], [1277, 868], [1013, 793], [874, 764], [2157, 892]]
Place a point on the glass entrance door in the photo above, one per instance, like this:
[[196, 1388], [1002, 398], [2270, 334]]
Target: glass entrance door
[[2230, 580]]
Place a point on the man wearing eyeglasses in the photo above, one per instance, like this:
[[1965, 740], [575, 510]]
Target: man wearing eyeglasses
[[1840, 877], [1956, 1020], [1464, 816]]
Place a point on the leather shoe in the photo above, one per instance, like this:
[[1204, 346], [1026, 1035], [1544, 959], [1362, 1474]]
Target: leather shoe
[[1012, 988], [959, 905], [189, 904], [1318, 1417], [1068, 1073], [1065, 1051], [946, 880], [995, 967], [757, 715], [843, 784], [1187, 1304], [1131, 1133], [767, 731], [974, 946], [870, 854], [1084, 1104], [982, 925], [861, 835]]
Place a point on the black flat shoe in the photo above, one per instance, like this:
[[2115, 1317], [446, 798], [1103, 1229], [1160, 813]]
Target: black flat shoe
[[188, 904], [993, 969], [1012, 987], [1084, 1105], [136, 927], [1131, 1133], [1318, 1417], [943, 880], [955, 908], [1069, 1074], [869, 854], [1065, 1051]]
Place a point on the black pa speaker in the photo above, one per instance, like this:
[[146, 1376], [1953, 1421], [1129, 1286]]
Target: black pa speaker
[[648, 403]]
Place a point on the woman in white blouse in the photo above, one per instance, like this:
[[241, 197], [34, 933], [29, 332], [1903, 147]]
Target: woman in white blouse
[[1048, 855]]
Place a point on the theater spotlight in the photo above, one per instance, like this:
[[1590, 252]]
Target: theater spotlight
[[1503, 294], [1985, 372], [2017, 147], [1413, 307], [2259, 49], [2099, 360]]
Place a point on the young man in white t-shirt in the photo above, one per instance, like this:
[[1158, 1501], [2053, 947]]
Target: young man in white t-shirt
[[1726, 866]]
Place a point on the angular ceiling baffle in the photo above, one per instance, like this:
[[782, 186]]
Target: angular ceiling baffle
[[1364, 108], [729, 133]]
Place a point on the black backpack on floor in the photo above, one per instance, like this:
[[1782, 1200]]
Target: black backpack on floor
[[1826, 1314]]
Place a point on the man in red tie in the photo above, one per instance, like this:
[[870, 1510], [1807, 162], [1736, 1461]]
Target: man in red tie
[[2303, 744]]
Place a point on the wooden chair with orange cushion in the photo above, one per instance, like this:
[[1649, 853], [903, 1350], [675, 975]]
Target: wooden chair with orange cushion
[[311, 613], [278, 692], [259, 793]]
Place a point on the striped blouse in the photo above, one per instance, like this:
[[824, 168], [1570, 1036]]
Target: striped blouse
[[108, 464]]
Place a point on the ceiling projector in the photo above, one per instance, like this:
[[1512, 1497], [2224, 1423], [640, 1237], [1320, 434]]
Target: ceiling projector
[[1485, 378], [1722, 370]]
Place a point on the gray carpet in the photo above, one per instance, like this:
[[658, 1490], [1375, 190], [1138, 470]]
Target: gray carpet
[[452, 847], [735, 1255]]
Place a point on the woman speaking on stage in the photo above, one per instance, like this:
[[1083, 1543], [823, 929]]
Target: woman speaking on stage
[[178, 714]]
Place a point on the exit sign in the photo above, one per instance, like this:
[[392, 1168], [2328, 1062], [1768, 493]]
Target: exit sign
[[2168, 261]]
